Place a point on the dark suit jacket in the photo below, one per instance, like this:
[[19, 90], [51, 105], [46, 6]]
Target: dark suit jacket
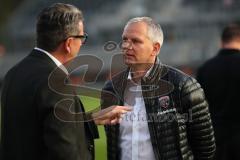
[[38, 114], [220, 79]]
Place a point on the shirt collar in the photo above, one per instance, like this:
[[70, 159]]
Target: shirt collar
[[55, 60], [147, 73]]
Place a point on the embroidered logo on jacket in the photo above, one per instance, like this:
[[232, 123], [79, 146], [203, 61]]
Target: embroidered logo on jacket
[[164, 101]]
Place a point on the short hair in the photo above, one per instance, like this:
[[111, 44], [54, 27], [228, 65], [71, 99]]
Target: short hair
[[231, 33], [56, 23], [155, 33]]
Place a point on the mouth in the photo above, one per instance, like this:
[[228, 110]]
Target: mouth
[[128, 54], [128, 57]]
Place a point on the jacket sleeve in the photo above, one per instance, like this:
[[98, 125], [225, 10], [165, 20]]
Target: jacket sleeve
[[200, 130]]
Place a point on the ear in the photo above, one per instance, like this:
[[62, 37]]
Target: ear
[[156, 49], [67, 45]]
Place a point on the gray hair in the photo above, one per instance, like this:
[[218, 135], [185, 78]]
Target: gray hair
[[155, 33], [56, 23]]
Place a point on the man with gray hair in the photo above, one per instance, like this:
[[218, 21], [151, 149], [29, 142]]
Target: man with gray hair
[[42, 117], [170, 117]]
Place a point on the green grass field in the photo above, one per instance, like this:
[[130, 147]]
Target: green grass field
[[100, 144]]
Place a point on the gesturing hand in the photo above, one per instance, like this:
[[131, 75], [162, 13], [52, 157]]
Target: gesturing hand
[[110, 115]]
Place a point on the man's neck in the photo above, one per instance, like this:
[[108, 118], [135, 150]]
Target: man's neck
[[61, 56], [139, 71], [231, 45]]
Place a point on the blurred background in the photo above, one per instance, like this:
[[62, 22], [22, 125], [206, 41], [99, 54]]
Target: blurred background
[[191, 27]]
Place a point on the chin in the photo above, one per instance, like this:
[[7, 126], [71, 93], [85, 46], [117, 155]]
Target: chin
[[128, 62]]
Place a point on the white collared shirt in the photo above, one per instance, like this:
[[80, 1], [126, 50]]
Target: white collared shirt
[[135, 141], [55, 60]]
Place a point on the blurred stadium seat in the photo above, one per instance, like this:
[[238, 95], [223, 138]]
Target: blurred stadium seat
[[191, 27]]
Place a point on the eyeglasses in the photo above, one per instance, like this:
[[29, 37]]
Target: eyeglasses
[[82, 37]]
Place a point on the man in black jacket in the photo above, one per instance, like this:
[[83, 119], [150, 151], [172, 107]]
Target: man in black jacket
[[42, 117], [220, 79], [170, 117]]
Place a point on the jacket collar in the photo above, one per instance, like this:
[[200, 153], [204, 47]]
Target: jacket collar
[[55, 60], [155, 73], [42, 57], [228, 51], [129, 77]]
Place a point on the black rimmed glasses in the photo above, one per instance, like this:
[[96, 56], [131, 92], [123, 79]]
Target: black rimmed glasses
[[82, 37]]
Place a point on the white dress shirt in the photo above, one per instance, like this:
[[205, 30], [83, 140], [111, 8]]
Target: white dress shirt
[[135, 142]]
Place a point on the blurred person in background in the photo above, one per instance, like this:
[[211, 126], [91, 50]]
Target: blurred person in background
[[2, 53], [170, 117], [220, 79], [2, 50], [44, 123]]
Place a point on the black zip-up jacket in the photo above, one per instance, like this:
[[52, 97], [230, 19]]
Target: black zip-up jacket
[[179, 121]]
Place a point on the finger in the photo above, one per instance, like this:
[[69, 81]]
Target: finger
[[122, 116], [114, 121], [120, 119], [112, 113], [126, 108], [105, 121]]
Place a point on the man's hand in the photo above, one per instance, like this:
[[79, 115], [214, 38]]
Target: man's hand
[[110, 115]]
